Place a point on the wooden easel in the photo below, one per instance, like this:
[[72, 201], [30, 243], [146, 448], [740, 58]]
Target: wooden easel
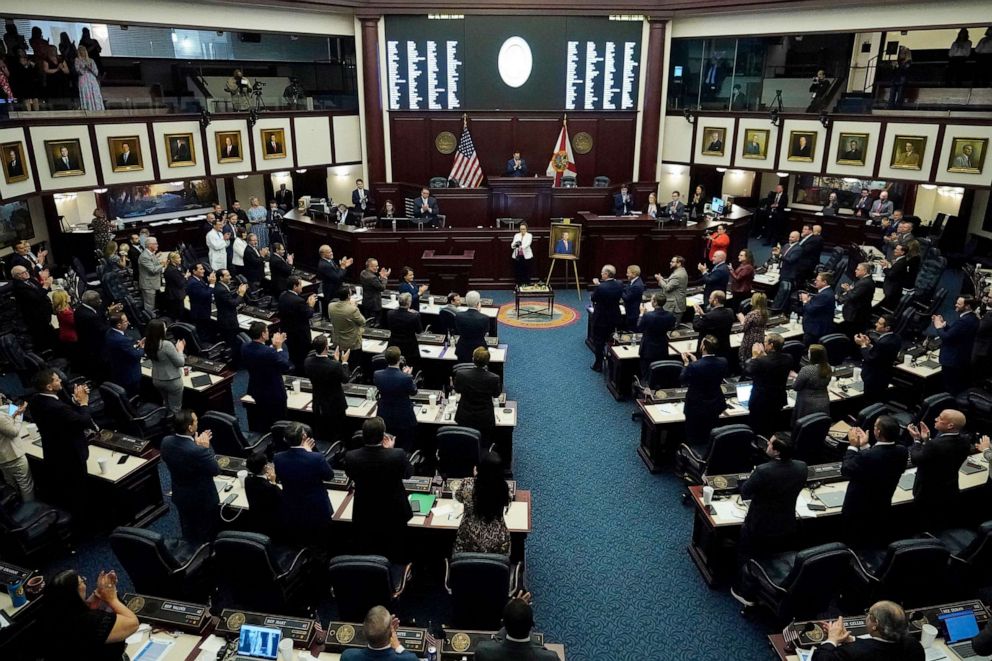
[[575, 270]]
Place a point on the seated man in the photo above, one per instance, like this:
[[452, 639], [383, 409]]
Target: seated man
[[513, 641], [888, 638], [380, 635]]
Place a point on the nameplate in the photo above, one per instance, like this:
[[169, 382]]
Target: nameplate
[[359, 390], [340, 481], [300, 630], [376, 334], [431, 338], [459, 642], [321, 325], [231, 465], [344, 635], [424, 396], [121, 442], [169, 613], [418, 484], [289, 382], [10, 573], [257, 312], [202, 364]]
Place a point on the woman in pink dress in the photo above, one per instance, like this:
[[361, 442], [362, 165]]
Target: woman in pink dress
[[90, 96]]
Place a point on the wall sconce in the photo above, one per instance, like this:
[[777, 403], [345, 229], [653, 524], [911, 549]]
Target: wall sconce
[[825, 120], [689, 117]]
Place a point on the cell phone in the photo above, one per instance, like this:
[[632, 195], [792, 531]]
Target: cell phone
[[123, 458], [817, 507], [11, 409], [415, 506]]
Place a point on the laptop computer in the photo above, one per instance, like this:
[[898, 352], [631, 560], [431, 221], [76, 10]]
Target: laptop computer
[[744, 393], [257, 643], [961, 628]]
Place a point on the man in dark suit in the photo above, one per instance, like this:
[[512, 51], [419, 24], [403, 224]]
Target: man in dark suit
[[898, 276], [201, 298], [516, 166], [91, 329], [381, 641], [957, 341], [63, 425], [477, 387], [395, 384], [15, 168], [254, 268], [769, 369], [229, 149], [24, 257], [373, 281], [717, 278], [623, 202], [327, 374], [242, 215], [565, 245], [704, 401], [279, 269], [633, 293], [35, 306], [294, 317], [125, 158], [801, 148], [856, 298], [361, 199], [382, 508], [774, 215], [180, 150], [981, 353], [192, 467], [715, 144], [404, 324], [676, 208], [873, 474], [302, 471], [878, 358], [123, 354], [792, 255], [264, 497], [938, 461], [331, 273], [471, 327], [605, 311], [654, 326], [273, 147], [853, 152], [284, 198], [266, 365], [863, 206], [818, 309], [64, 162], [426, 206], [888, 640], [812, 246], [513, 642], [717, 322], [228, 300]]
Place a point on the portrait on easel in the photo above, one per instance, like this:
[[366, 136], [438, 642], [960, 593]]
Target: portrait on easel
[[565, 241]]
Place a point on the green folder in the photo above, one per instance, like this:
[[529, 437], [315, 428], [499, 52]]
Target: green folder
[[425, 501]]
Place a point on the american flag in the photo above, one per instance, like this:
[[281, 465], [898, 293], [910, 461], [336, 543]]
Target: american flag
[[466, 170]]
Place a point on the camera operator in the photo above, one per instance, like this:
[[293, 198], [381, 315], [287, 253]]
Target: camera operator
[[239, 87], [294, 93]]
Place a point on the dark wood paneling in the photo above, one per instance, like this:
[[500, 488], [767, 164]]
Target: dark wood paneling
[[651, 116], [375, 140]]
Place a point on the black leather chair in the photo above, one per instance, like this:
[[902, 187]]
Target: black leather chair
[[132, 416], [228, 438], [435, 182], [931, 406], [809, 435], [839, 347], [480, 584], [30, 528], [797, 350], [801, 585], [601, 181], [912, 572], [445, 322], [730, 450], [360, 582], [458, 451], [183, 331], [163, 567], [971, 555], [378, 363], [254, 574]]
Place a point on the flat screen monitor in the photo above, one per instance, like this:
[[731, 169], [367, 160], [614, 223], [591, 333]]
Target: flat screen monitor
[[744, 392], [717, 206], [960, 626], [258, 642], [678, 71]]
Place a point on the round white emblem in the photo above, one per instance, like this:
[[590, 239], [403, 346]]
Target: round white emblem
[[515, 61]]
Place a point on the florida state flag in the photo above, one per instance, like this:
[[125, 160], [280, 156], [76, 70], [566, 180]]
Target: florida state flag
[[562, 164]]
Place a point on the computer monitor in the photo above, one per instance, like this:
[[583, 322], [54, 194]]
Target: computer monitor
[[678, 71], [744, 392], [717, 206], [258, 642], [960, 626]]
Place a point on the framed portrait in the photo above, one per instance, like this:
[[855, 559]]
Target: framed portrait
[[755, 143], [714, 141], [126, 154], [907, 152], [565, 241], [65, 158], [179, 150], [228, 146], [273, 143], [851, 148], [14, 167], [802, 146], [967, 155]]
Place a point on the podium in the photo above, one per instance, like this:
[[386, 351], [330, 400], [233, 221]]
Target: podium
[[448, 272]]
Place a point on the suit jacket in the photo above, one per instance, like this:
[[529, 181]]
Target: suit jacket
[[414, 291], [716, 322], [294, 318], [471, 327], [227, 301], [326, 376], [68, 164], [818, 313], [873, 475], [366, 654], [857, 301], [509, 650], [378, 473], [372, 288], [812, 249], [192, 469], [716, 279], [27, 261], [619, 206], [863, 206], [331, 276], [356, 202], [896, 277], [201, 296], [15, 169], [302, 473], [676, 210], [134, 252], [91, 329], [606, 305], [563, 247], [126, 158], [957, 340], [982, 348], [512, 171], [272, 147], [180, 152], [254, 268], [63, 426], [403, 326], [791, 257], [703, 378], [264, 505], [477, 387], [880, 208], [878, 362], [149, 271], [773, 488], [869, 649], [769, 374], [36, 307], [349, 324], [418, 211], [654, 326], [938, 462], [675, 289], [175, 285], [265, 368], [633, 292], [284, 198], [279, 271], [124, 359], [395, 406]]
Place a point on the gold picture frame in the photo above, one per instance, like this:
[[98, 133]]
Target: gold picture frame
[[15, 168], [65, 158], [229, 148], [968, 155], [907, 152], [566, 241], [714, 141], [180, 150], [755, 144], [273, 143], [852, 148], [125, 153], [802, 146]]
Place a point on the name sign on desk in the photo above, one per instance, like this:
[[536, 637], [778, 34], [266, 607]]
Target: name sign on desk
[[418, 484], [815, 473], [231, 465], [121, 442], [299, 630], [10, 573], [169, 613], [344, 635], [458, 642], [340, 481]]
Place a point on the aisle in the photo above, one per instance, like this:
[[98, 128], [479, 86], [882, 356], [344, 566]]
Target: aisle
[[607, 560]]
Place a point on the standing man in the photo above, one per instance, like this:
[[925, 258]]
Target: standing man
[[654, 326], [294, 316], [623, 202], [254, 259], [150, 268], [777, 201], [516, 166], [280, 268], [873, 474], [878, 358], [361, 199], [633, 293], [981, 354], [326, 375], [347, 321], [704, 400], [605, 312], [863, 206], [35, 306], [396, 384], [228, 300], [676, 208], [818, 309], [957, 341], [373, 281], [266, 365], [477, 387], [331, 273], [284, 198], [769, 369], [24, 257], [426, 207], [675, 287], [302, 471], [938, 460], [201, 297], [217, 243], [717, 278], [91, 328], [881, 208], [716, 322], [192, 467], [123, 354], [471, 326], [856, 298]]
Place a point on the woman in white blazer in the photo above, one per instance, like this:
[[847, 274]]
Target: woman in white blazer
[[522, 255], [217, 246]]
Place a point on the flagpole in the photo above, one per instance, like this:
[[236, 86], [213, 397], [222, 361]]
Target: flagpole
[[464, 120]]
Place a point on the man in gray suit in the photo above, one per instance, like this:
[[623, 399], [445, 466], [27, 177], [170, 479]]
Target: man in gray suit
[[674, 287], [150, 267]]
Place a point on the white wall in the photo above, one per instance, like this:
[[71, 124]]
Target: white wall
[[860, 78], [341, 181], [737, 183], [673, 178], [978, 208], [76, 207], [244, 189], [931, 201]]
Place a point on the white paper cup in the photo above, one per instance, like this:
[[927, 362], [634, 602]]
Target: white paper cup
[[286, 650], [857, 374], [430, 300], [907, 359], [432, 399], [929, 634], [102, 465], [707, 495], [392, 297], [242, 476], [297, 385]]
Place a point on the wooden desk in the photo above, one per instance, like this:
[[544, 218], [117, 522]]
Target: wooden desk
[[839, 230], [214, 397], [778, 644], [920, 378]]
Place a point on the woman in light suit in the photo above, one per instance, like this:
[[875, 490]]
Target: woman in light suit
[[522, 254], [167, 364]]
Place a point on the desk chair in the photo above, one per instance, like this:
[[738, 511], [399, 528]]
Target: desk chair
[[445, 322], [801, 585], [333, 452], [360, 582], [730, 450], [661, 374], [931, 406], [132, 416], [183, 331], [569, 183], [27, 529], [808, 437], [254, 574], [458, 451], [480, 585], [229, 439], [435, 182], [601, 182], [971, 556], [839, 347], [912, 572], [164, 567], [797, 350]]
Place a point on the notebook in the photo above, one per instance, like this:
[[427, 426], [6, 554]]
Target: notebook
[[424, 503]]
